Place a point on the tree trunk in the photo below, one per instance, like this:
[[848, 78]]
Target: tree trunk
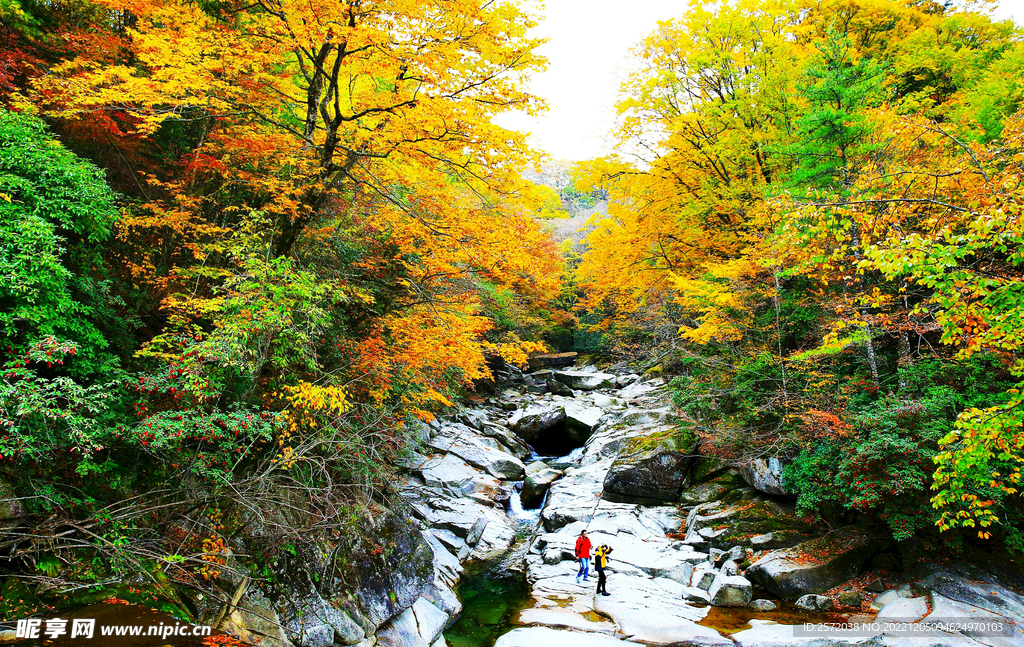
[[904, 358], [903, 361], [778, 337], [872, 360]]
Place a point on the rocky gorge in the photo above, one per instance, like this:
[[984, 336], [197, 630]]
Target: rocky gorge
[[697, 543], [705, 553], [265, 269]]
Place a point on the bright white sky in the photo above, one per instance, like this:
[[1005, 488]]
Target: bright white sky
[[588, 54]]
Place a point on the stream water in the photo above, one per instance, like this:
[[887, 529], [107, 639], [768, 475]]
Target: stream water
[[493, 594], [490, 598]]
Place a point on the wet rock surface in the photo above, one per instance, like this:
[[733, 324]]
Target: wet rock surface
[[741, 517], [536, 485], [530, 422], [764, 475]]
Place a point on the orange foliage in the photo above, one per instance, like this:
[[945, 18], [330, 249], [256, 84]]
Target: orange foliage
[[307, 127]]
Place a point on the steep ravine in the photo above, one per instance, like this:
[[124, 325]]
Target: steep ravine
[[686, 531], [705, 553]]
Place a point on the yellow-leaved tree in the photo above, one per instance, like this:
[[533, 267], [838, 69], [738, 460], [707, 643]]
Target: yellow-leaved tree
[[352, 142]]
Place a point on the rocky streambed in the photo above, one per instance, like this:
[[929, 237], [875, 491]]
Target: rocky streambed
[[479, 551], [704, 554]]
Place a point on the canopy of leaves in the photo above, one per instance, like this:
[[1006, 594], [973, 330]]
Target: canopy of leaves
[[321, 239], [827, 202]]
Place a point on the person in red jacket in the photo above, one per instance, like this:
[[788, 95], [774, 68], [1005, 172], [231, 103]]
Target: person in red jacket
[[583, 554]]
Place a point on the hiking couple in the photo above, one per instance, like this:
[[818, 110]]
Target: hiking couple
[[600, 561]]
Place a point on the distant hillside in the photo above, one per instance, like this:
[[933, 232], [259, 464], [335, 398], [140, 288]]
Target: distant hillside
[[578, 207], [574, 227]]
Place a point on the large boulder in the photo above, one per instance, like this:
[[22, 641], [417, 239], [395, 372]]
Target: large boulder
[[581, 420], [430, 619], [483, 452], [730, 591], [650, 470], [495, 539], [392, 569], [447, 471], [530, 422], [536, 466], [714, 489], [254, 620], [462, 515], [503, 374], [558, 388], [401, 632], [764, 475], [904, 609], [473, 418], [812, 602], [707, 468], [418, 626], [451, 543], [509, 440], [536, 484], [814, 566], [585, 381], [747, 519], [977, 589], [693, 594]]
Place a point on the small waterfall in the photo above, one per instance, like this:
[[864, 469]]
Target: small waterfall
[[572, 457], [492, 593], [526, 523], [524, 518]]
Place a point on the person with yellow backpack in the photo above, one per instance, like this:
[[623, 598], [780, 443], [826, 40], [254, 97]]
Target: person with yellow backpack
[[601, 563]]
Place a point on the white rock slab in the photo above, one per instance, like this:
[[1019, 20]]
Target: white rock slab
[[904, 609], [547, 637], [429, 620], [648, 613], [564, 619], [585, 380], [497, 538]]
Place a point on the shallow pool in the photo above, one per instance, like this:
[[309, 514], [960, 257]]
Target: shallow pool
[[490, 597]]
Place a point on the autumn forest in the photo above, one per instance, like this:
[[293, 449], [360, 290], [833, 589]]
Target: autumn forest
[[248, 248]]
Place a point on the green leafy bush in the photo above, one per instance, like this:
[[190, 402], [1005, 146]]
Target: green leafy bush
[[55, 212], [880, 462]]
